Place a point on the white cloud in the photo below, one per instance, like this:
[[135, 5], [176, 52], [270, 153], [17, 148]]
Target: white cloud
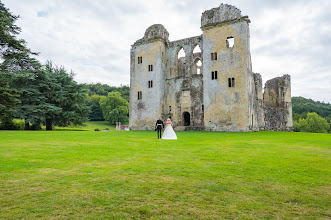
[[93, 38]]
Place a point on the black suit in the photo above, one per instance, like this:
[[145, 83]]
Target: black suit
[[158, 126]]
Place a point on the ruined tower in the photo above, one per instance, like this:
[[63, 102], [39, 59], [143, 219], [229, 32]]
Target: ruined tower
[[147, 78], [227, 70], [211, 89]]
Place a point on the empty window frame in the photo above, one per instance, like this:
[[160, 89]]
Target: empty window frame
[[150, 68], [169, 108], [140, 60], [203, 108], [140, 95], [214, 75], [150, 84], [213, 56], [230, 42], [231, 82]]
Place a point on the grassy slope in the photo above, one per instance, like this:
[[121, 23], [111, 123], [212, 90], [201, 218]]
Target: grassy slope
[[71, 174]]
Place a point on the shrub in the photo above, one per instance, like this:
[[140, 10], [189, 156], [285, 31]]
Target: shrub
[[12, 124], [313, 123]]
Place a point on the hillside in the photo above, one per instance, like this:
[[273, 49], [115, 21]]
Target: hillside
[[301, 106]]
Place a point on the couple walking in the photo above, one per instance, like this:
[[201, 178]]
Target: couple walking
[[169, 133]]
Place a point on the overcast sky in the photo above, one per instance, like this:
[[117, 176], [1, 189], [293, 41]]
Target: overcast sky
[[93, 37]]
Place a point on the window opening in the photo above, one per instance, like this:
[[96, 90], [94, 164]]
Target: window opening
[[230, 42], [197, 49], [140, 60], [198, 67], [150, 68], [150, 84], [231, 82], [169, 108], [181, 53], [213, 56], [214, 75], [139, 95]]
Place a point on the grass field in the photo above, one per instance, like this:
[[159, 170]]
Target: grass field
[[88, 126], [131, 174]]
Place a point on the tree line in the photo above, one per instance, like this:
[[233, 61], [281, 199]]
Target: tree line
[[108, 103], [310, 115], [47, 94]]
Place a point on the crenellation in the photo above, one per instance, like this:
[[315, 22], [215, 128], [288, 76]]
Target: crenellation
[[221, 93]]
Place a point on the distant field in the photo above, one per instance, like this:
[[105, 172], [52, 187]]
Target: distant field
[[131, 174]]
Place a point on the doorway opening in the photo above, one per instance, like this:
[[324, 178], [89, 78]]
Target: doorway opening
[[187, 119]]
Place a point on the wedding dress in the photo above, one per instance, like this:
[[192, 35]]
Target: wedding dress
[[169, 133]]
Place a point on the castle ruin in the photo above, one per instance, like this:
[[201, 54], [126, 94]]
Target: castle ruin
[[213, 89]]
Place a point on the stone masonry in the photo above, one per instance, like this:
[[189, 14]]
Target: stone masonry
[[211, 89]]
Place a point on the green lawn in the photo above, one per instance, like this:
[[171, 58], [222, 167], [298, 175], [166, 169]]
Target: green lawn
[[88, 126], [132, 174]]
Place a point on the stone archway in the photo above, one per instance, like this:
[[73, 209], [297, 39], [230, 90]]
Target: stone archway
[[187, 119]]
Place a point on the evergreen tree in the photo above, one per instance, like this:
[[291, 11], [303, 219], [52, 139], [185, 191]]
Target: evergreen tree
[[13, 51], [67, 95], [8, 99], [33, 86]]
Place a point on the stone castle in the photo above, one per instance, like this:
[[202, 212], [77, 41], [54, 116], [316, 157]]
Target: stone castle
[[213, 89]]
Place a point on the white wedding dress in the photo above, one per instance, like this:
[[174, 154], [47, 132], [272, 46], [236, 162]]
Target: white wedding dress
[[169, 133]]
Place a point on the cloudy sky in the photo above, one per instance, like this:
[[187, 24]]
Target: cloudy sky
[[93, 37]]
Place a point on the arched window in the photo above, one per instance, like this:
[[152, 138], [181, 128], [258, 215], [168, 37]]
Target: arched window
[[197, 49], [197, 66], [181, 53], [181, 62]]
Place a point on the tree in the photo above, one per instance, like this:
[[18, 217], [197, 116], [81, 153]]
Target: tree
[[13, 52], [33, 86], [114, 108], [67, 95], [8, 99], [50, 96], [95, 113], [313, 123]]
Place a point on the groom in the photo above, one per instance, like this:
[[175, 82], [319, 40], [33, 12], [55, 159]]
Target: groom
[[158, 126]]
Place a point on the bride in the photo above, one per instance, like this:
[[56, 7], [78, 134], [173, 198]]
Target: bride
[[169, 133]]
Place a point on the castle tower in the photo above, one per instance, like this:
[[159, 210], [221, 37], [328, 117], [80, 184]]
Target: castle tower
[[228, 79], [147, 77]]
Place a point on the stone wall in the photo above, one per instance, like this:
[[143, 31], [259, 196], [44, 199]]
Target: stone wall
[[278, 104], [182, 90]]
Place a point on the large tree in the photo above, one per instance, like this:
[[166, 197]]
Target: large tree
[[8, 98], [50, 96], [33, 87], [13, 52], [114, 108], [66, 94]]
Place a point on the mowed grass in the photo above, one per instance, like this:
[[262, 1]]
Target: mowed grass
[[88, 126], [134, 175]]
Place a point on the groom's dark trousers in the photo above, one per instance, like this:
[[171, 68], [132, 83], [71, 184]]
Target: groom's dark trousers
[[159, 125]]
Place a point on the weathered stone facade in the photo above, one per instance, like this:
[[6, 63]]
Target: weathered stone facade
[[222, 94]]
